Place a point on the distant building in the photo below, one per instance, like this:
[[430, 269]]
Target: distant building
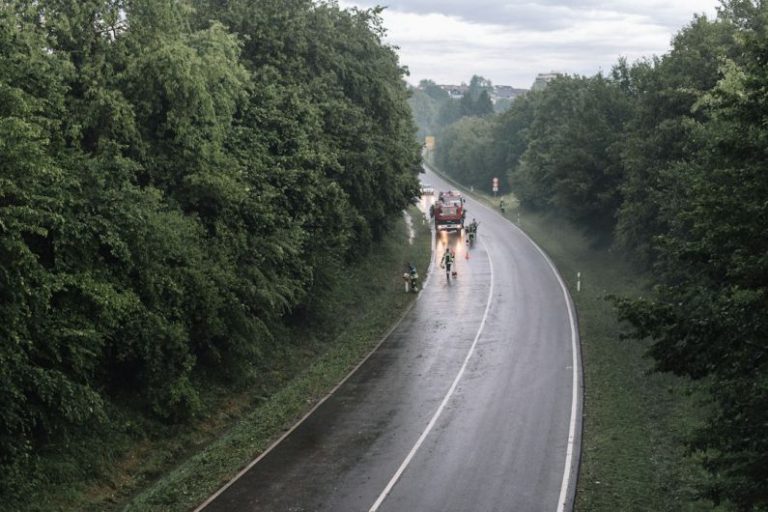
[[496, 93], [455, 91], [505, 92], [542, 79]]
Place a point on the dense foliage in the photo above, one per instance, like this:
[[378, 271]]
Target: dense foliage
[[467, 149], [666, 158], [176, 179], [435, 110]]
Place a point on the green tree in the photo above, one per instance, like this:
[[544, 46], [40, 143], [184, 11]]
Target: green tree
[[661, 131], [511, 140], [478, 85], [484, 105], [450, 112], [464, 149], [424, 110], [32, 397], [573, 162], [502, 105], [707, 314], [434, 91], [478, 97], [166, 170]]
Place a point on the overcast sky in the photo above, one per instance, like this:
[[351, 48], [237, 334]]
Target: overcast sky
[[511, 41]]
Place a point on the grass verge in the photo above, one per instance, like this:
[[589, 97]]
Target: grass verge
[[633, 456], [175, 469]]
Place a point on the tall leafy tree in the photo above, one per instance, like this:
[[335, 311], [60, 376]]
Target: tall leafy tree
[[573, 159], [450, 112], [434, 91], [424, 110], [33, 397], [511, 139], [166, 172], [465, 148], [484, 105], [707, 316], [661, 131], [478, 85]]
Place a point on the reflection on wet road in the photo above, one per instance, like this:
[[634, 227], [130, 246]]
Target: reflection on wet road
[[466, 406]]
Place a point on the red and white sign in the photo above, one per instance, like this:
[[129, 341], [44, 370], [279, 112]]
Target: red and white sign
[[495, 184]]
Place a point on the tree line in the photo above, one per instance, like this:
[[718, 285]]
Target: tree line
[[665, 159], [434, 109], [177, 180]]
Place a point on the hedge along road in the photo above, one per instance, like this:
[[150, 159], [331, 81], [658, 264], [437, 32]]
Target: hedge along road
[[471, 403]]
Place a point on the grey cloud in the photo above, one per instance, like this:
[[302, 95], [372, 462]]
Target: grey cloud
[[541, 15], [515, 14], [553, 35]]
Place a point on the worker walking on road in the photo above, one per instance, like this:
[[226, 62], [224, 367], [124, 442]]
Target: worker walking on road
[[447, 263]]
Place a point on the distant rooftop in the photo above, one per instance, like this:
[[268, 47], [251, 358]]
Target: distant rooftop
[[454, 91], [498, 92], [542, 79], [506, 92]]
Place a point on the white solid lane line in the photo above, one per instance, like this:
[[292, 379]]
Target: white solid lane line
[[563, 500], [575, 365], [439, 411]]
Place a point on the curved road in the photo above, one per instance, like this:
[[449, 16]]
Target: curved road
[[471, 404]]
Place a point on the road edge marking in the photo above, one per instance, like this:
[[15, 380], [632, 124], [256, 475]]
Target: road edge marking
[[576, 359], [562, 501], [575, 363]]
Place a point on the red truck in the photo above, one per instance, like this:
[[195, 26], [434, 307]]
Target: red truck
[[449, 212]]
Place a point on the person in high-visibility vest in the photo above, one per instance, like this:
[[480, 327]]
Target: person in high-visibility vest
[[472, 232], [447, 262]]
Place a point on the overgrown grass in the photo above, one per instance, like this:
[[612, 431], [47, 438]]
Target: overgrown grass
[[635, 420], [175, 469]]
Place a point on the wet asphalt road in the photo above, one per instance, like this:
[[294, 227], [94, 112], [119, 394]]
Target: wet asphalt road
[[467, 406]]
